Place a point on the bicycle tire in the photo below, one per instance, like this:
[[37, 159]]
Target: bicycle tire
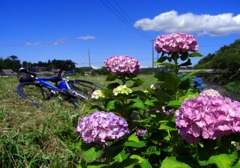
[[34, 92], [83, 88]]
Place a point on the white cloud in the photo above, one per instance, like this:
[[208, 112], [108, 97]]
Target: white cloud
[[57, 42], [32, 43], [86, 38], [171, 22]]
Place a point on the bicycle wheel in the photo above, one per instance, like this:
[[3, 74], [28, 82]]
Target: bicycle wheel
[[34, 92], [82, 88]]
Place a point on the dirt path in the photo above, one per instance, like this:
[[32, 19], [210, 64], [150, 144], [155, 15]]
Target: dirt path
[[222, 90]]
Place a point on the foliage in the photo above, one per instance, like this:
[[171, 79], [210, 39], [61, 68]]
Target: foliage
[[11, 62], [226, 58], [154, 139]]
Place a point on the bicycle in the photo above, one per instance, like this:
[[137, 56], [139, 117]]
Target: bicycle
[[31, 86]]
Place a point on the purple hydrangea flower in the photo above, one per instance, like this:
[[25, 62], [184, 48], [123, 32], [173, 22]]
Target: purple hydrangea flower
[[141, 132], [207, 117], [122, 65], [167, 112], [102, 126], [176, 43]]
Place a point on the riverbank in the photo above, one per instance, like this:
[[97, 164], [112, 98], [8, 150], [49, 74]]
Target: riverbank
[[221, 90]]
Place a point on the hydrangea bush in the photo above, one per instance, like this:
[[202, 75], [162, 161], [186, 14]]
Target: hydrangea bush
[[171, 124]]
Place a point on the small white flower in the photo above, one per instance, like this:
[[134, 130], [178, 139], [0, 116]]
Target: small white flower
[[97, 94], [122, 89]]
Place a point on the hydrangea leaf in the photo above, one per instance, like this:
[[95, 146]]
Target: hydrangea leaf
[[185, 84], [237, 165], [110, 105], [188, 62], [184, 56], [121, 156], [195, 54], [133, 138], [149, 102], [139, 144], [111, 77], [173, 163], [175, 103], [91, 154], [221, 160], [162, 59], [172, 81], [137, 103], [137, 82], [152, 150], [169, 126]]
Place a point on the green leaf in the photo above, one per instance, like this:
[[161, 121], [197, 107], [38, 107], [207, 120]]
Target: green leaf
[[237, 165], [133, 138], [149, 102], [221, 160], [137, 82], [185, 84], [188, 62], [91, 154], [184, 56], [111, 105], [165, 63], [175, 103], [174, 56], [162, 59], [139, 158], [169, 126], [173, 163], [171, 81], [152, 150], [136, 144], [141, 161], [145, 164], [113, 85], [137, 103], [111, 77], [121, 156], [195, 54]]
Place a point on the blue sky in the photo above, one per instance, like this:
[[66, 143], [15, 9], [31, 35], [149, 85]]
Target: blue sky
[[42, 30]]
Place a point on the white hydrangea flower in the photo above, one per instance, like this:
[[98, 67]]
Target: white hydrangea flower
[[122, 89], [97, 94]]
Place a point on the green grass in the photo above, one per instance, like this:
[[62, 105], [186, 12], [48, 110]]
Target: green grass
[[41, 137], [233, 86]]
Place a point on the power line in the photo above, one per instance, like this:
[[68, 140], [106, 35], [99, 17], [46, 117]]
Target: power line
[[118, 11]]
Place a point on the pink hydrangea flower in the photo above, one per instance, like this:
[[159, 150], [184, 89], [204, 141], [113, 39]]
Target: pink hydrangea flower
[[207, 117], [122, 65], [176, 43], [102, 126], [210, 92]]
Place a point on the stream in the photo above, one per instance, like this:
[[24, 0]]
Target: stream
[[221, 90]]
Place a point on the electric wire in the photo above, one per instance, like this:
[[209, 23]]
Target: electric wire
[[118, 11]]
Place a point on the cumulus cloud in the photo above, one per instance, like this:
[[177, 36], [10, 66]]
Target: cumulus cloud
[[171, 22], [86, 38], [32, 43], [57, 42]]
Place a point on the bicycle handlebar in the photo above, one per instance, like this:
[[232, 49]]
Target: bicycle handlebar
[[59, 73]]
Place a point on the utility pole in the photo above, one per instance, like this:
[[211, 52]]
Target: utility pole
[[153, 56], [89, 59]]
